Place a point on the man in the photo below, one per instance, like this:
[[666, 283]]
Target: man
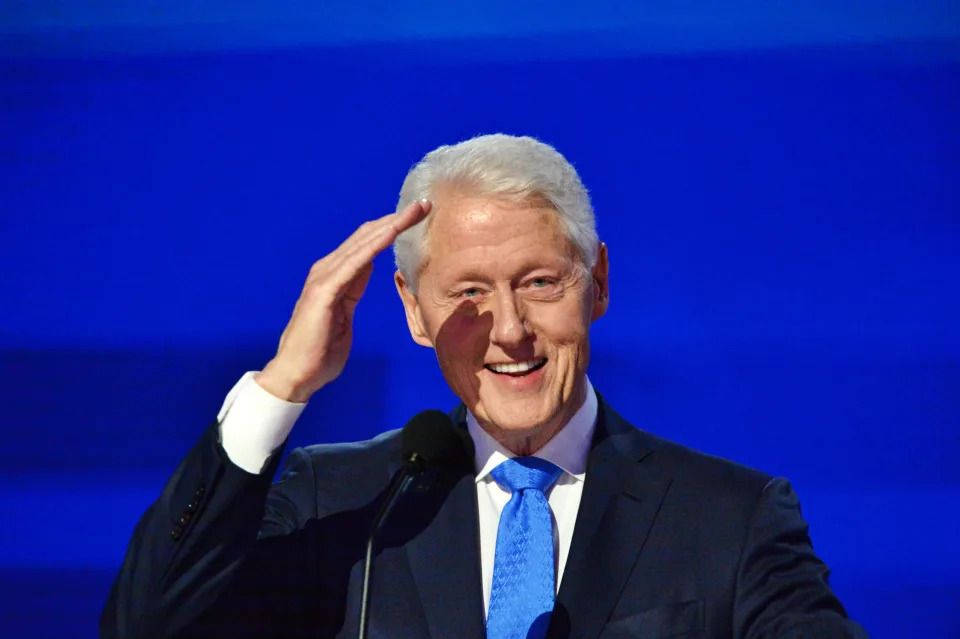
[[568, 523]]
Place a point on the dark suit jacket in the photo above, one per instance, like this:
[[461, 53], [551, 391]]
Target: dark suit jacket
[[668, 543]]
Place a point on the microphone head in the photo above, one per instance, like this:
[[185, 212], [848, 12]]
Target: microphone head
[[431, 439]]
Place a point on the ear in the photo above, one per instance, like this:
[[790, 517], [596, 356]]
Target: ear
[[411, 307], [601, 283]]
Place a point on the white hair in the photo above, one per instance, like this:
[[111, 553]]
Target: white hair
[[503, 166]]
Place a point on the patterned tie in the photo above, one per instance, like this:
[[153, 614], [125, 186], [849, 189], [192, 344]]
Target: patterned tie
[[521, 597]]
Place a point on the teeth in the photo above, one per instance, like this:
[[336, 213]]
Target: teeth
[[519, 367]]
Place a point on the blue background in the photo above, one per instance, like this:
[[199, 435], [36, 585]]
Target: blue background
[[779, 193]]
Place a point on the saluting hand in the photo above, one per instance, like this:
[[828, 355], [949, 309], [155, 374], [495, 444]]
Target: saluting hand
[[316, 343]]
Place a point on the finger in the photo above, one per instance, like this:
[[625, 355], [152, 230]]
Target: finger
[[410, 215], [392, 223], [384, 235], [348, 260], [358, 237]]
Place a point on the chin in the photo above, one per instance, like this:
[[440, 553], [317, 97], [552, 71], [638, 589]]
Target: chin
[[517, 423]]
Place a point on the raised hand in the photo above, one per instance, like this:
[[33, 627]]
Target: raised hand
[[316, 343]]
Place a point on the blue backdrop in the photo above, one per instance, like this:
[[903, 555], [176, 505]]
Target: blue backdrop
[[782, 210]]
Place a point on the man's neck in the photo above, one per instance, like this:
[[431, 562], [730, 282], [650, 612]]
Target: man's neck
[[528, 442]]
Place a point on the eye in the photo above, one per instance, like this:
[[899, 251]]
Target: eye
[[542, 287], [473, 291], [541, 283]]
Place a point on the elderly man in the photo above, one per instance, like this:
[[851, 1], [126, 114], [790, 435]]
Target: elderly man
[[569, 522]]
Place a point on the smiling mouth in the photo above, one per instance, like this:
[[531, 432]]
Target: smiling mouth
[[517, 369]]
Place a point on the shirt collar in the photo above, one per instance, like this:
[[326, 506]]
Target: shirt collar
[[567, 449]]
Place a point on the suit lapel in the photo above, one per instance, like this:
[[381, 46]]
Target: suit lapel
[[621, 498], [445, 560]]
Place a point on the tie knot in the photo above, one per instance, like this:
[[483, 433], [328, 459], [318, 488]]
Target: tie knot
[[520, 473]]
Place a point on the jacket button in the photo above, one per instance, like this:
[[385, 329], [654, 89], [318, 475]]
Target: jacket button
[[192, 506], [177, 532], [185, 518], [199, 492]]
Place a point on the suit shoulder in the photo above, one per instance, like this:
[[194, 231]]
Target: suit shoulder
[[354, 454], [690, 464], [683, 463], [698, 473], [715, 488], [342, 476], [361, 464]]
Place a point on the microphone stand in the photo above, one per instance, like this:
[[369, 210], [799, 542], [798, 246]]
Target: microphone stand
[[413, 466]]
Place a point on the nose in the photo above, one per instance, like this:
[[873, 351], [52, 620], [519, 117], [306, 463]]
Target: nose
[[509, 323]]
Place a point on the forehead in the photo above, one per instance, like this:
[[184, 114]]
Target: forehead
[[493, 237], [461, 222]]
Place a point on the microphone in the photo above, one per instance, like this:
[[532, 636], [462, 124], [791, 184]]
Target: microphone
[[429, 442]]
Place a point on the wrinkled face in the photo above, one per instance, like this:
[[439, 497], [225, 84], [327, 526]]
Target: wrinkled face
[[505, 300]]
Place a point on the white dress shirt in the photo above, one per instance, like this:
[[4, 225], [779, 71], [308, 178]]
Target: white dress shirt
[[254, 423], [568, 449]]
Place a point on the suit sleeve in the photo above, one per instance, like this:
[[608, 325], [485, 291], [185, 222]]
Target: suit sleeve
[[782, 590], [190, 546]]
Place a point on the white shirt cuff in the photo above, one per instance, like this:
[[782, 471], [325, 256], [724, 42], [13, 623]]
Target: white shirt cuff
[[254, 423]]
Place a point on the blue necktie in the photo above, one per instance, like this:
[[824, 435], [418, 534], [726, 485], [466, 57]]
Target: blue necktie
[[521, 597]]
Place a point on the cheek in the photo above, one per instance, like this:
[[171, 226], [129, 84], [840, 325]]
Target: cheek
[[562, 325]]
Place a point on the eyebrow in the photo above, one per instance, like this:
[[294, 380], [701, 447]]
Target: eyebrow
[[471, 274]]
